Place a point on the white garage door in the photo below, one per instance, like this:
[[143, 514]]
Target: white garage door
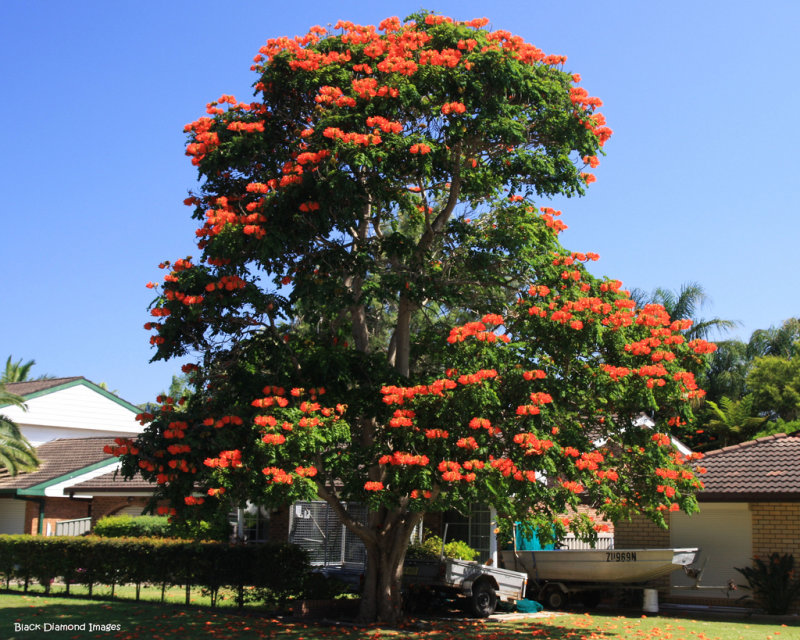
[[723, 531], [12, 516]]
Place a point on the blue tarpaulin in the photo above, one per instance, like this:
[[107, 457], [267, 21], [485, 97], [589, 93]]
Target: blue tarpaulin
[[529, 606], [530, 542]]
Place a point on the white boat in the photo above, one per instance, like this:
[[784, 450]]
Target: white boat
[[627, 566]]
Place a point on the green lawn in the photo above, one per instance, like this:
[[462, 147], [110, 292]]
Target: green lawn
[[129, 621]]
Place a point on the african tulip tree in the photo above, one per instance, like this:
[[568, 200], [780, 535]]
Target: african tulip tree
[[377, 192]]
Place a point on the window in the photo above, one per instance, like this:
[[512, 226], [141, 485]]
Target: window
[[254, 522], [473, 528]]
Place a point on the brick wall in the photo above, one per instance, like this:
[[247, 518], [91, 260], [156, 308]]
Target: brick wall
[[278, 526], [638, 533], [55, 509], [109, 505], [641, 533], [776, 528]]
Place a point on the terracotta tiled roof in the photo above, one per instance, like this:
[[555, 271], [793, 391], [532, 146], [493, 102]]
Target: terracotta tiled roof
[[58, 458], [34, 386], [108, 482], [763, 469]]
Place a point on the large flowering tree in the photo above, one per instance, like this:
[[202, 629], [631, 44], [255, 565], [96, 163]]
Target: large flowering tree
[[378, 192]]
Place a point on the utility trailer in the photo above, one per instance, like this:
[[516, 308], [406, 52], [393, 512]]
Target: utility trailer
[[483, 585]]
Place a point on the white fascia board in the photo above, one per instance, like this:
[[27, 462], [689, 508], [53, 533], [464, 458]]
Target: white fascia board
[[57, 490]]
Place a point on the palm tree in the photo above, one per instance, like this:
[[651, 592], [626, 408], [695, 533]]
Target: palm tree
[[16, 371], [727, 371], [16, 453], [685, 304], [783, 341]]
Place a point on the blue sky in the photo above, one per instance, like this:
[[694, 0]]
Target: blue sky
[[700, 181]]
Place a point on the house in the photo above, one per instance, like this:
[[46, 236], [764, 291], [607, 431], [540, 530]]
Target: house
[[70, 408], [73, 486], [750, 507], [69, 421]]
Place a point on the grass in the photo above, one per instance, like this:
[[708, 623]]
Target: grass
[[126, 620], [147, 593]]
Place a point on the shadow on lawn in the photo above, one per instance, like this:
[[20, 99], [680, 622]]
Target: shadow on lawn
[[97, 619], [92, 619]]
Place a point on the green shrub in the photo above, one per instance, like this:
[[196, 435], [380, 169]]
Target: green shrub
[[774, 583], [159, 527], [431, 547], [132, 527]]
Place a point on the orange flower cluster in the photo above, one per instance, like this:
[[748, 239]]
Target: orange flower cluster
[[176, 430], [223, 421], [432, 434], [534, 374], [459, 334], [609, 474], [402, 458], [419, 148], [571, 485], [453, 107], [373, 486], [444, 58], [550, 221], [273, 438], [180, 465], [398, 395], [363, 139], [666, 490], [123, 447], [265, 421], [270, 401], [334, 95], [615, 372], [452, 472], [226, 283], [402, 418], [246, 127], [590, 460], [175, 449], [701, 346], [232, 459], [192, 501], [477, 377], [205, 140], [387, 126], [467, 443], [532, 444], [277, 476]]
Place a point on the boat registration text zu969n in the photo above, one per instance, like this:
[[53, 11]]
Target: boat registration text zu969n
[[620, 556]]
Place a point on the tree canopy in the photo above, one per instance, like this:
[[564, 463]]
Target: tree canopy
[[381, 313]]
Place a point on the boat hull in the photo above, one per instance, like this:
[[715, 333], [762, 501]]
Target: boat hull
[[599, 565]]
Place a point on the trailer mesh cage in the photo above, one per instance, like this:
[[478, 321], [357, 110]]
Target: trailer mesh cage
[[316, 527]]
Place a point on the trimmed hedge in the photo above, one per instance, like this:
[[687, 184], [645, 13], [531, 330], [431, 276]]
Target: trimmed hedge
[[133, 527], [158, 527], [278, 571]]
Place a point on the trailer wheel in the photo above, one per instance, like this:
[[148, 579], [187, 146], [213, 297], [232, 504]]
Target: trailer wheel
[[483, 601], [554, 598]]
